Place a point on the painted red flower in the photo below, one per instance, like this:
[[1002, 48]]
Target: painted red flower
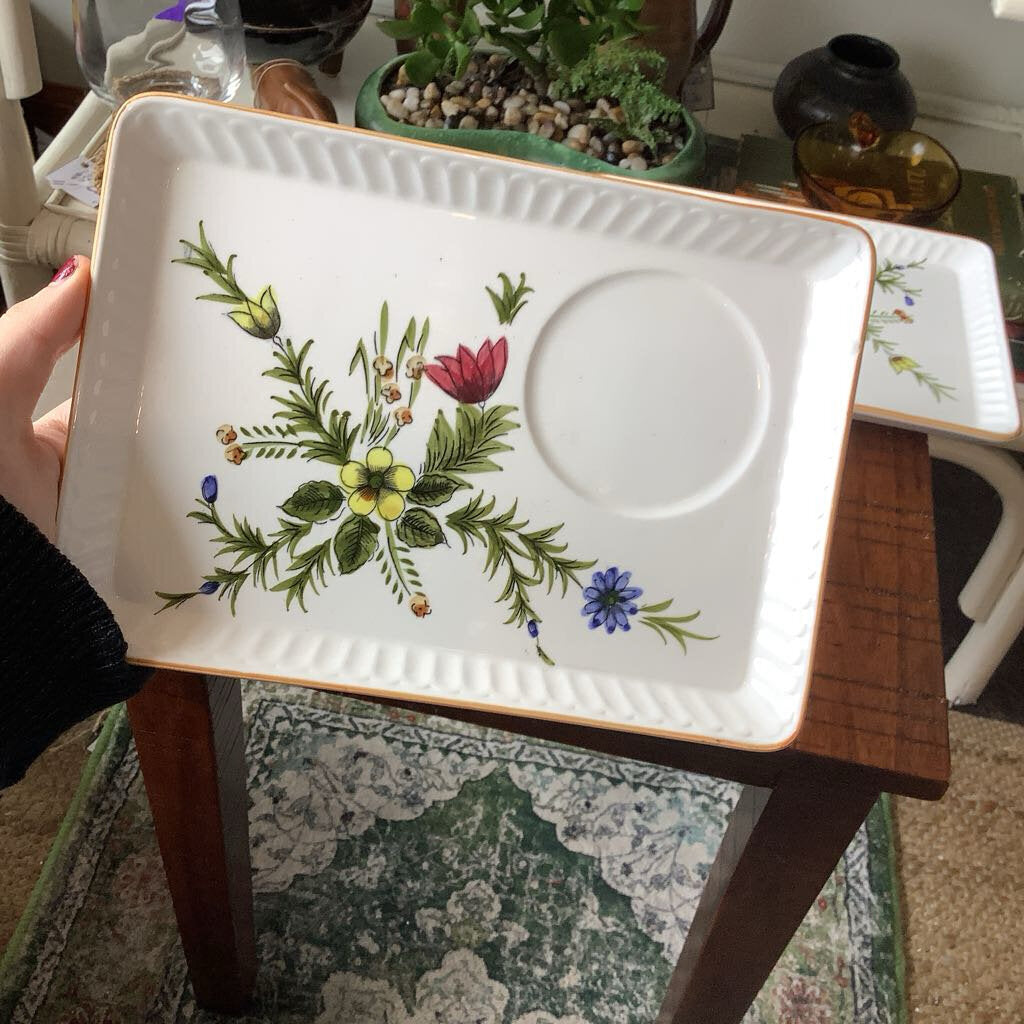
[[471, 378]]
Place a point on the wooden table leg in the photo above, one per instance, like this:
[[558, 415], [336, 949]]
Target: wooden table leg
[[779, 850], [188, 731]]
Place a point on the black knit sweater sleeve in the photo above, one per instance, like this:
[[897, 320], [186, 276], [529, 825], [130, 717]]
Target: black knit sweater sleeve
[[61, 652]]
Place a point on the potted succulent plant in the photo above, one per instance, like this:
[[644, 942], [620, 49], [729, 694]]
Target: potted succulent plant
[[563, 83]]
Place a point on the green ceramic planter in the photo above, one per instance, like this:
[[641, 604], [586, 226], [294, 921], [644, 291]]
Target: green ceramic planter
[[685, 169]]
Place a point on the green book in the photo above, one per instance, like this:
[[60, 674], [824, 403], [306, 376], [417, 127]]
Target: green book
[[988, 207]]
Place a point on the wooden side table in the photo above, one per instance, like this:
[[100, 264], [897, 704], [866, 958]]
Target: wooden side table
[[876, 721]]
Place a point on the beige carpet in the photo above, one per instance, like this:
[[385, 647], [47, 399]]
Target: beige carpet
[[963, 904], [963, 901]]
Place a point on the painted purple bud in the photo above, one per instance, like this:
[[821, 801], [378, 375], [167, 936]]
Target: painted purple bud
[[209, 489], [209, 587], [908, 300], [532, 628]]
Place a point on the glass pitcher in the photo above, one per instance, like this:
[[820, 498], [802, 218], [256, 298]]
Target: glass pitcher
[[675, 35], [195, 47]]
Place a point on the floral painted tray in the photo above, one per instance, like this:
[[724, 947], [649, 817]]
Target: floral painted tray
[[365, 413], [936, 355]]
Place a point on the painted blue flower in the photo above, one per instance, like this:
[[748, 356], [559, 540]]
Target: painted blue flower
[[209, 587], [908, 300], [610, 600], [209, 489], [532, 628]]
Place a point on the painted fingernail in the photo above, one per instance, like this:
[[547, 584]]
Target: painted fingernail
[[69, 267]]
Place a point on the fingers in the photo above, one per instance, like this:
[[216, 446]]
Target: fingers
[[52, 429], [34, 334]]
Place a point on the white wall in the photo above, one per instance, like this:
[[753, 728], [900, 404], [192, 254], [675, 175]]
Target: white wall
[[952, 47]]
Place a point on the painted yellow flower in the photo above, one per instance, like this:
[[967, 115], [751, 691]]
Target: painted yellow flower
[[258, 317], [377, 484]]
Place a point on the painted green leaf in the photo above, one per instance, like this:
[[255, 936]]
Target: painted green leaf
[[433, 489], [355, 543], [420, 529], [314, 501], [470, 446]]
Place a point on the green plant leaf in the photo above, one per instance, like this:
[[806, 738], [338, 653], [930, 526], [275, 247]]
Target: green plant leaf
[[440, 48], [509, 42], [462, 54], [434, 489], [355, 543], [420, 529], [529, 20], [398, 29], [591, 36], [528, 39], [470, 29], [314, 501], [621, 70], [567, 41], [421, 66], [427, 19]]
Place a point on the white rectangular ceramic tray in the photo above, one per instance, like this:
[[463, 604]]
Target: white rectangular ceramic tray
[[459, 429], [936, 356]]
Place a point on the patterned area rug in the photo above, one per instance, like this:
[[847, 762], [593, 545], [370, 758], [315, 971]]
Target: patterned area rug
[[412, 870]]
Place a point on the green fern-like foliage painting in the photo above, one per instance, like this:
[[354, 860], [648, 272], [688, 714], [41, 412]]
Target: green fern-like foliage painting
[[891, 279], [370, 505]]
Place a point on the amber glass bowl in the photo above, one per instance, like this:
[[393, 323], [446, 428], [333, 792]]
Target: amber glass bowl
[[855, 168]]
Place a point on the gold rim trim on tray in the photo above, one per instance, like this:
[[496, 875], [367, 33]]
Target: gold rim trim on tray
[[619, 181], [942, 426]]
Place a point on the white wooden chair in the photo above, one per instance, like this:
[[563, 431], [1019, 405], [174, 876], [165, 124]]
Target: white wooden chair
[[37, 231], [993, 597]]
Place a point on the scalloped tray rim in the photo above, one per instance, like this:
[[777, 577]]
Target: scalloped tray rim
[[776, 741]]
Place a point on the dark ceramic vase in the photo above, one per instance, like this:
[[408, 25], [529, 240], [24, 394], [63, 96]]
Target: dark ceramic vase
[[313, 32], [852, 73]]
